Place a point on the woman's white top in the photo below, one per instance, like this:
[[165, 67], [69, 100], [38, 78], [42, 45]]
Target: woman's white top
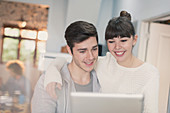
[[143, 79], [114, 78]]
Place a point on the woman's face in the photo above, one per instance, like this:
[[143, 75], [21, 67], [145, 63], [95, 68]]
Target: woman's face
[[121, 48]]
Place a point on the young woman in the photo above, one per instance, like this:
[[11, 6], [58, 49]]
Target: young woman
[[120, 71]]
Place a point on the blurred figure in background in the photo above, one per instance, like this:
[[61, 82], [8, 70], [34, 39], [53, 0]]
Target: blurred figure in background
[[17, 83]]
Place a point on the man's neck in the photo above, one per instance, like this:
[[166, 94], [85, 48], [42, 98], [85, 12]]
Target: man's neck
[[78, 75]]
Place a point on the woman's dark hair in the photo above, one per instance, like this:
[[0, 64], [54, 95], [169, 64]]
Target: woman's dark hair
[[79, 31], [125, 14], [120, 26]]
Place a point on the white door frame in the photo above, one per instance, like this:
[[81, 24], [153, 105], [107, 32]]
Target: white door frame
[[144, 39], [144, 34]]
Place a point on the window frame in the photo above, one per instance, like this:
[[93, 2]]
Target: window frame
[[20, 38]]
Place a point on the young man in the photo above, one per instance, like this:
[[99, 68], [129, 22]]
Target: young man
[[78, 76]]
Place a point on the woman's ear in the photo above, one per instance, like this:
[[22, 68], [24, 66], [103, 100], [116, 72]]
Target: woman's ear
[[135, 38], [69, 50]]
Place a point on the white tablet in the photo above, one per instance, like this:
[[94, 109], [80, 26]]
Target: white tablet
[[106, 103]]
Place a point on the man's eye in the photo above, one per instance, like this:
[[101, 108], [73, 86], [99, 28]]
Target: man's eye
[[95, 49], [82, 51], [123, 40], [111, 41]]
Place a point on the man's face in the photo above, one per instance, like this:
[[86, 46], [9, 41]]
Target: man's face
[[85, 54]]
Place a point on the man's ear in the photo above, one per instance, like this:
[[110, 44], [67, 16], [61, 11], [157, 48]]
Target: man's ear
[[69, 50], [135, 40]]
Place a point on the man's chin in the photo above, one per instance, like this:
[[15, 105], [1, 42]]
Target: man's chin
[[89, 70]]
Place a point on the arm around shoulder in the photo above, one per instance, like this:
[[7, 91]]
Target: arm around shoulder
[[52, 73]]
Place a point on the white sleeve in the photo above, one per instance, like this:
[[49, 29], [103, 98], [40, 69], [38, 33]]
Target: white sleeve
[[52, 73], [103, 60], [99, 60], [151, 94]]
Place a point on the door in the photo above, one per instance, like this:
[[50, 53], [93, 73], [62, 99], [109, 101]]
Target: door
[[158, 54]]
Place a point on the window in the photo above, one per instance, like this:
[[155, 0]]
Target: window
[[22, 43]]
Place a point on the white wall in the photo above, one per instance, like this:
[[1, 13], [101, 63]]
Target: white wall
[[106, 10], [62, 12], [56, 25], [142, 10], [86, 10]]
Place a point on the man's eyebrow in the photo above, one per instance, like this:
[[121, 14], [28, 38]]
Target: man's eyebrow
[[95, 46], [82, 49]]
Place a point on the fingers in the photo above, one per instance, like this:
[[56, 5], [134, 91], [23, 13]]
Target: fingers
[[51, 89]]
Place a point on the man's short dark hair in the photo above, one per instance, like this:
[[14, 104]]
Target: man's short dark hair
[[79, 31]]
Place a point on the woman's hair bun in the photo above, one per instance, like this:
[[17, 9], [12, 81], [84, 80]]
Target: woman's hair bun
[[125, 14]]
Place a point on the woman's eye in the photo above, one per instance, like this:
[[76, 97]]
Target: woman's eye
[[111, 41], [123, 40]]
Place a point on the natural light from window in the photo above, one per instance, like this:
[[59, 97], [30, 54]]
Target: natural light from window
[[42, 35], [23, 44], [11, 32], [29, 34]]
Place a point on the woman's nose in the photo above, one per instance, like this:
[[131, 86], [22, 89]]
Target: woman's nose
[[117, 46]]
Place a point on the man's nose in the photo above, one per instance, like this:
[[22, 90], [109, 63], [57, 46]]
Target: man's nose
[[90, 55]]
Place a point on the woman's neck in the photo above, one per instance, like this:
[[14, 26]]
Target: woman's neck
[[132, 62]]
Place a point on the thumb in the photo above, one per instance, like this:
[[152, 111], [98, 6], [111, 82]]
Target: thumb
[[59, 86]]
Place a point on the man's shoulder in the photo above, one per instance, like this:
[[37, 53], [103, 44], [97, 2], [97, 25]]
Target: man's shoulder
[[93, 72], [40, 82], [64, 70], [65, 73]]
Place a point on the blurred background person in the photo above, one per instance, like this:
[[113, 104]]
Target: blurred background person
[[17, 83]]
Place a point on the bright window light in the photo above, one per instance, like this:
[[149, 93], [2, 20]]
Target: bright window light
[[42, 35], [29, 34], [27, 50], [41, 46], [11, 32]]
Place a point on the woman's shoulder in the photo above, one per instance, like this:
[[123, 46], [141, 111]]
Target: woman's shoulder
[[109, 57], [151, 69], [150, 66]]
